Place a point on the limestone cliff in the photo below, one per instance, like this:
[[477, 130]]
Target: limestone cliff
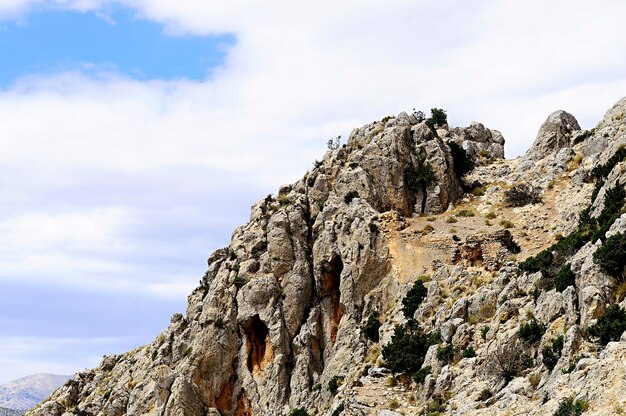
[[275, 324]]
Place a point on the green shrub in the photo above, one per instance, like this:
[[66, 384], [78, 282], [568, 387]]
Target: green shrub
[[612, 255], [569, 407], [419, 177], [338, 410], [468, 353], [421, 374], [451, 220], [438, 117], [407, 349], [531, 331], [609, 326], [461, 161], [334, 383], [446, 353], [564, 278], [414, 298], [552, 353], [465, 213], [507, 224], [490, 215], [483, 332], [478, 191], [350, 196], [371, 327], [521, 195], [300, 411], [573, 363], [437, 405]]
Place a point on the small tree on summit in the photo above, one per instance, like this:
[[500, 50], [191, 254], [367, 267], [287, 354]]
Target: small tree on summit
[[438, 117]]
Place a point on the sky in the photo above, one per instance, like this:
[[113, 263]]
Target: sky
[[136, 134]]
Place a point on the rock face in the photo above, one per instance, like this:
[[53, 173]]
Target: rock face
[[554, 134], [275, 324]]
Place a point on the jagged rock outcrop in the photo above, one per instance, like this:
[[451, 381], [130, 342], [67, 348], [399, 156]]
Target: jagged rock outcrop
[[275, 323]]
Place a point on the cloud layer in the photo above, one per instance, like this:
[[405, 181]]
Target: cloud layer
[[112, 184]]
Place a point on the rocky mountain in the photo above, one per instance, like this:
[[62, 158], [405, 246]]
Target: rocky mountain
[[24, 393], [412, 271]]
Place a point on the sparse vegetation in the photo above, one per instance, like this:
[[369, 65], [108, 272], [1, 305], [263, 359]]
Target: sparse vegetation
[[338, 410], [507, 224], [468, 352], [478, 191], [490, 215], [334, 383], [522, 194], [465, 213], [532, 331], [451, 220], [510, 360], [612, 256], [300, 411], [407, 349], [446, 353], [609, 326], [371, 327], [414, 298], [552, 353], [569, 407], [564, 278], [421, 374], [483, 332]]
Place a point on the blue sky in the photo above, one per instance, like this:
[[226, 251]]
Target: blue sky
[[135, 135], [52, 39]]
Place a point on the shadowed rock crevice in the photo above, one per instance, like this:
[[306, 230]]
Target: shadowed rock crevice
[[331, 281], [258, 343]]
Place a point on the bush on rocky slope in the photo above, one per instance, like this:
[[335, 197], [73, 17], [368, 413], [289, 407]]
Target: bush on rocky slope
[[414, 298], [521, 195], [610, 326], [407, 349]]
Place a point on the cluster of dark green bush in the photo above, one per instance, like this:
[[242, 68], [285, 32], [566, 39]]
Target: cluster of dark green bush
[[522, 194], [414, 298], [338, 410], [532, 331], [552, 353], [612, 256], [420, 375], [371, 327], [334, 383], [300, 411], [438, 117], [569, 407], [419, 177], [564, 278], [407, 349], [610, 326], [446, 353], [552, 260]]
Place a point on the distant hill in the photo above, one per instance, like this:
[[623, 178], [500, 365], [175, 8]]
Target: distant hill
[[9, 412], [24, 393]]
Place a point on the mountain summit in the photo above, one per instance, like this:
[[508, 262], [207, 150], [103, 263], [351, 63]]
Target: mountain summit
[[412, 271]]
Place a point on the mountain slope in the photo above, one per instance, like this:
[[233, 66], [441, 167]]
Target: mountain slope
[[26, 392], [498, 324]]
